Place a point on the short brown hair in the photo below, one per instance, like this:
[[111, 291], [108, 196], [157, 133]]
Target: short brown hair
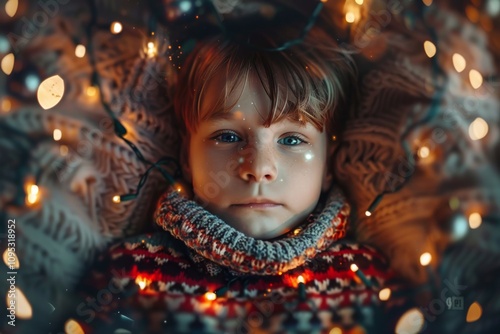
[[309, 82]]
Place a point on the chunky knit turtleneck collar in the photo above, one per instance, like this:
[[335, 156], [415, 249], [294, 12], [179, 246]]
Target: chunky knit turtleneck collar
[[211, 237]]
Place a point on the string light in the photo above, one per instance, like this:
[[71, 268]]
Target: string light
[[73, 327], [427, 2], [301, 287], [116, 199], [384, 294], [475, 220], [50, 92], [475, 78], [91, 91], [10, 259], [141, 282], [423, 152], [11, 7], [368, 213], [151, 49], [80, 51], [355, 269], [425, 259], [430, 49], [459, 62], [478, 129], [359, 2], [6, 104], [335, 330], [350, 17], [32, 194], [296, 231], [7, 63], [23, 307], [210, 296], [116, 27], [57, 134], [474, 312], [411, 322]]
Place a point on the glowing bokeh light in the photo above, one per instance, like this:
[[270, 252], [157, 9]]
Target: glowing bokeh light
[[475, 78], [430, 49], [116, 27], [474, 312], [11, 7], [475, 220], [384, 294], [459, 62], [7, 63], [80, 51], [411, 322], [425, 258], [50, 92], [478, 129]]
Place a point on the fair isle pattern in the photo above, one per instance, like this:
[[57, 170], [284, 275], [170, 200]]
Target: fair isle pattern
[[172, 296], [212, 238]]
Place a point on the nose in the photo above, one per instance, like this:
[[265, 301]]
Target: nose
[[258, 165]]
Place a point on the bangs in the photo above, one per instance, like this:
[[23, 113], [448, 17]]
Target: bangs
[[302, 86]]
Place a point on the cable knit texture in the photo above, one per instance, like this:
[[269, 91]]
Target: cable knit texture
[[212, 238]]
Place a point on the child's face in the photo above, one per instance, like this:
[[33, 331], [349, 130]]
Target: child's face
[[261, 180]]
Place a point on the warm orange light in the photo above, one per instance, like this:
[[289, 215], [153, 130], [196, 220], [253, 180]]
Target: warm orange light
[[475, 78], [300, 279], [73, 327], [430, 49], [478, 129], [10, 259], [23, 307], [350, 17], [425, 259], [475, 220], [424, 152], [141, 282], [459, 62], [474, 312], [57, 134], [427, 2], [116, 27], [80, 51], [11, 7], [32, 193], [50, 92], [210, 296], [384, 294], [368, 213], [7, 63], [6, 104], [116, 199], [354, 267]]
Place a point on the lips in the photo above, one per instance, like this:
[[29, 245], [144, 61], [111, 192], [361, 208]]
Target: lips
[[257, 203]]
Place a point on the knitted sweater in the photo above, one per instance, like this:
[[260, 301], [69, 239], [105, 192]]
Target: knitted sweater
[[202, 276]]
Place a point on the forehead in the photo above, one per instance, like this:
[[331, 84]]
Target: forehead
[[229, 99]]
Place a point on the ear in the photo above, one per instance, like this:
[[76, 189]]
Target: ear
[[328, 174], [184, 159]]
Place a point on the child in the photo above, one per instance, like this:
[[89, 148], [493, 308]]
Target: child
[[254, 249]]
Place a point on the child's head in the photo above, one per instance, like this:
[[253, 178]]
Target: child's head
[[258, 129]]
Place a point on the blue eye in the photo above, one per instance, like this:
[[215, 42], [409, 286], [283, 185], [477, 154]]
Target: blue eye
[[291, 141], [227, 137]]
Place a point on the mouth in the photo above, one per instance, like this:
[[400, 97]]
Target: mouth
[[257, 203]]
